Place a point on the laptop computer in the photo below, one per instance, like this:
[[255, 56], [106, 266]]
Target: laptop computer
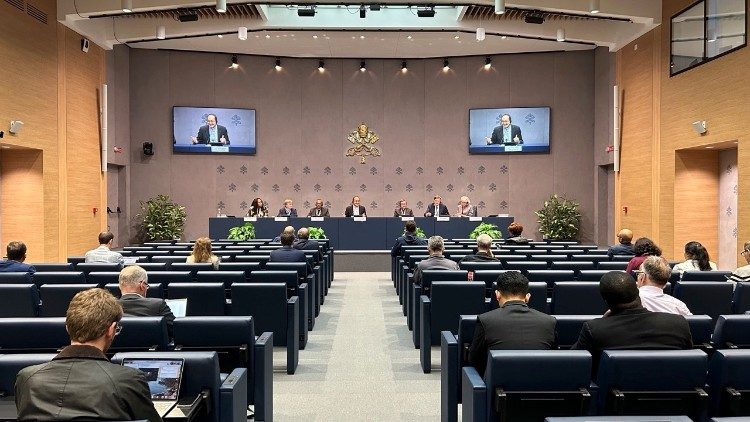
[[164, 377]]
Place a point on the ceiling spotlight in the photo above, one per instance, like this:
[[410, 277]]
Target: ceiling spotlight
[[374, 7], [220, 36], [560, 35], [534, 17], [594, 6], [268, 36], [188, 16], [242, 33], [361, 37], [362, 66], [503, 37], [499, 7], [403, 67], [321, 66], [126, 6], [234, 64], [428, 12], [221, 6], [362, 11], [307, 12], [161, 32], [278, 64], [455, 37], [315, 37], [409, 37], [480, 34], [487, 62], [446, 65]]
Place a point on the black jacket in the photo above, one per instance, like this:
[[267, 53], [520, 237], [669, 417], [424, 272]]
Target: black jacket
[[498, 135], [308, 245], [349, 211], [478, 257], [407, 239], [80, 383], [134, 304], [431, 211], [204, 137], [514, 326], [282, 212], [289, 254]]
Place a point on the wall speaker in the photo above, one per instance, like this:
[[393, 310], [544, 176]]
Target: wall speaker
[[699, 127], [84, 45], [15, 126], [148, 148]]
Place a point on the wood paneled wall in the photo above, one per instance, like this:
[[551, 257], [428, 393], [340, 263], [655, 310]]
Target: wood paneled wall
[[50, 84], [22, 200], [696, 200]]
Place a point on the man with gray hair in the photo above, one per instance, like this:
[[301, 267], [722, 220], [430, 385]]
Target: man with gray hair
[[133, 287], [653, 275], [741, 273], [484, 250], [436, 261], [304, 243]]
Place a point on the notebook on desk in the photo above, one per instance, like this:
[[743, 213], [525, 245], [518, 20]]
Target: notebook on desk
[[177, 306], [164, 377]]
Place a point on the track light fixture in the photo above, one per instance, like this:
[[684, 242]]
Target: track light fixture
[[362, 66], [560, 35], [221, 6], [534, 17], [126, 6], [321, 66], [480, 34], [403, 66], [499, 7], [234, 64], [446, 65], [278, 64], [242, 33], [428, 12], [161, 32], [487, 62], [307, 12], [362, 11], [594, 6]]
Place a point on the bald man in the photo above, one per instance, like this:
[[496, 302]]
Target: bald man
[[625, 247]]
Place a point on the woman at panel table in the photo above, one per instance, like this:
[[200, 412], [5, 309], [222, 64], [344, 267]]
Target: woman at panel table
[[258, 208], [465, 209], [202, 253]]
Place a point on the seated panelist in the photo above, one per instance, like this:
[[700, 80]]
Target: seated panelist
[[437, 208], [319, 210], [288, 210], [258, 208], [465, 209], [355, 209], [403, 210]]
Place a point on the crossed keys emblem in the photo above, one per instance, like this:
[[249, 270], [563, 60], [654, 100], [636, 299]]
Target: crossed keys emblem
[[363, 139]]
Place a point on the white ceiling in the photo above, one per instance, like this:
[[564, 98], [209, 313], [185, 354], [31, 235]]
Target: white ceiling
[[338, 31]]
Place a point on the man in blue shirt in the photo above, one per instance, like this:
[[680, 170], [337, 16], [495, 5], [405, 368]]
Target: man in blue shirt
[[16, 255], [624, 247]]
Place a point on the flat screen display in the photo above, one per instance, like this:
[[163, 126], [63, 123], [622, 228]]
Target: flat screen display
[[509, 130], [211, 130]]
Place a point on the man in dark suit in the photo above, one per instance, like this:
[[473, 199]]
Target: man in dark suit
[[286, 253], [512, 326], [437, 208], [304, 243], [354, 209], [133, 285], [409, 238], [319, 210], [212, 132], [403, 210], [506, 133], [288, 210], [628, 325], [484, 250]]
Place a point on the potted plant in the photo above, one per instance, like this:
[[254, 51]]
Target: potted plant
[[317, 233], [559, 218], [243, 232], [486, 228], [419, 233], [160, 219]]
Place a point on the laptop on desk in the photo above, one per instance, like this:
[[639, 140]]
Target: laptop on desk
[[164, 377]]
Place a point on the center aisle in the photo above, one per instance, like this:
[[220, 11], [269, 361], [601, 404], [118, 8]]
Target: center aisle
[[360, 363]]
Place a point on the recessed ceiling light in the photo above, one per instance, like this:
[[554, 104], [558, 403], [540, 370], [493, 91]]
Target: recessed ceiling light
[[455, 37], [315, 37], [353, 37], [503, 37], [284, 35], [268, 36], [409, 37], [221, 36], [361, 37]]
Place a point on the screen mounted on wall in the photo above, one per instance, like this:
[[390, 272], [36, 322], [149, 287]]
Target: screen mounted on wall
[[211, 130], [509, 130]]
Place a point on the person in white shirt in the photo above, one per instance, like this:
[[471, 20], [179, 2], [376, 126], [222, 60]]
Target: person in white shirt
[[653, 275], [696, 259], [103, 252], [742, 273]]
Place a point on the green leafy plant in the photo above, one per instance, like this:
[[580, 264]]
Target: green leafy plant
[[317, 233], [243, 232], [160, 219], [486, 228], [559, 218], [418, 232]]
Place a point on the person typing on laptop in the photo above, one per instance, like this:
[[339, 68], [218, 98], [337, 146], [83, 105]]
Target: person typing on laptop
[[80, 383]]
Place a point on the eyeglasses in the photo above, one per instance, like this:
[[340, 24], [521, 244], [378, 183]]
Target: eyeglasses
[[118, 329], [145, 284]]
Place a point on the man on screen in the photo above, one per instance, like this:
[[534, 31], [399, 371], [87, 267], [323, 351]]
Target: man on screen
[[506, 133], [212, 132]]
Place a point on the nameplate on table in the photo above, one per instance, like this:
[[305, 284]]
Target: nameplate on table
[[503, 215], [281, 219], [317, 218], [513, 148], [407, 218], [360, 218], [475, 218], [250, 219], [226, 149], [443, 218]]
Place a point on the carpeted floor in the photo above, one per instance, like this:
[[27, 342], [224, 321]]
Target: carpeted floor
[[360, 363]]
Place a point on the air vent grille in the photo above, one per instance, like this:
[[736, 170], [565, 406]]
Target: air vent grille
[[18, 4], [36, 14]]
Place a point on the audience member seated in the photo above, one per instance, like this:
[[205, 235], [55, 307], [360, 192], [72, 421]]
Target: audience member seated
[[258, 208], [319, 210], [628, 325], [437, 208], [133, 285], [742, 273], [652, 277], [515, 238], [102, 253], [16, 255], [403, 210], [625, 245], [696, 259], [512, 326], [643, 248], [202, 253], [304, 243], [355, 209], [465, 209], [94, 388], [436, 260], [409, 238], [287, 229], [287, 253], [288, 210], [484, 250]]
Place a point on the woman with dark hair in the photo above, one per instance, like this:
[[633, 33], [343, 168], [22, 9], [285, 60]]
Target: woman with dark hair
[[643, 248], [696, 259], [515, 238], [258, 208]]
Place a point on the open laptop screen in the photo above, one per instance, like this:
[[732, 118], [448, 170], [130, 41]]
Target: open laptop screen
[[163, 376]]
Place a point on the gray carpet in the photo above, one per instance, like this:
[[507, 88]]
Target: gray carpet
[[360, 363]]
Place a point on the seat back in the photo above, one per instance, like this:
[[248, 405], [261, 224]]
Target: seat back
[[568, 328], [11, 365], [591, 275], [141, 333], [525, 266], [431, 276], [203, 299], [15, 278], [165, 278], [612, 266], [55, 298], [290, 278], [729, 369], [224, 277], [577, 298], [246, 267], [450, 299], [232, 336], [573, 265], [87, 267], [192, 268], [550, 276], [43, 268], [701, 328], [103, 278], [300, 267], [169, 259], [732, 331], [489, 277], [705, 297], [19, 300], [741, 298], [705, 275], [155, 290], [49, 335], [75, 260], [151, 266], [266, 303], [59, 277], [480, 265]]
